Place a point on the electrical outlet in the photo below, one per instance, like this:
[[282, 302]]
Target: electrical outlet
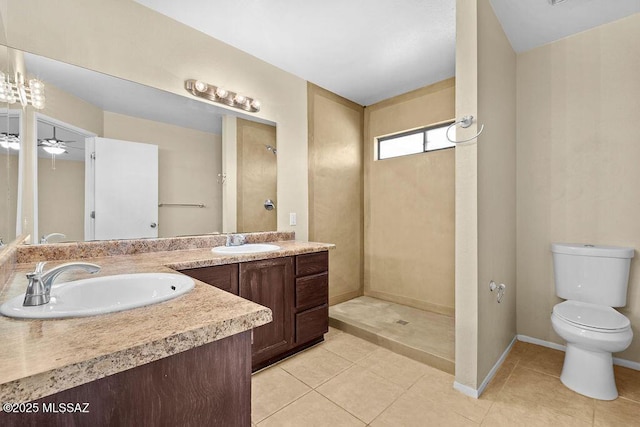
[[292, 218]]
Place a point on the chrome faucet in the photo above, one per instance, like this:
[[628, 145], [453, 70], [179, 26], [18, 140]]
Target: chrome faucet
[[236, 240], [39, 288], [45, 238]]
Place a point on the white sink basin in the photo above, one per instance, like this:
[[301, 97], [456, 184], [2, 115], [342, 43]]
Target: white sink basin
[[100, 295], [249, 248]]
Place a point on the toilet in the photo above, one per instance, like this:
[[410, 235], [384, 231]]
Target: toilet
[[592, 280]]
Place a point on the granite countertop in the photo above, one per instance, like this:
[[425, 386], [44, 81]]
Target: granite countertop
[[42, 357]]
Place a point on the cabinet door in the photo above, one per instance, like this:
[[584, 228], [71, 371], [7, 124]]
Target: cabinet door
[[224, 277], [270, 283]]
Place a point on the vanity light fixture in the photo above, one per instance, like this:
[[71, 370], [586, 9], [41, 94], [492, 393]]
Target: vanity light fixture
[[9, 140], [31, 93], [221, 95]]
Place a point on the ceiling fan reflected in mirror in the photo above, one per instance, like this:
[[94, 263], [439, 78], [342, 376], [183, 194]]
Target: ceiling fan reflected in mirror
[[54, 145]]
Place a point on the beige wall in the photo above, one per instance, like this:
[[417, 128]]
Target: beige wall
[[72, 110], [61, 199], [578, 152], [127, 40], [8, 186], [485, 192], [409, 205], [335, 187], [466, 199], [496, 189], [188, 165], [256, 176]]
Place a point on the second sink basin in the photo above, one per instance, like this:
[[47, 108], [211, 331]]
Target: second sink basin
[[249, 248], [100, 295]]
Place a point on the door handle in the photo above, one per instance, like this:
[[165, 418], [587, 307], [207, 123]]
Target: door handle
[[154, 225]]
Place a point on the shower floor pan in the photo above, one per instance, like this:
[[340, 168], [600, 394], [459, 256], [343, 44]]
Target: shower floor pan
[[421, 335]]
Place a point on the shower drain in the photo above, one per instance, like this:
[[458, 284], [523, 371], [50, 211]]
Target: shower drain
[[402, 322]]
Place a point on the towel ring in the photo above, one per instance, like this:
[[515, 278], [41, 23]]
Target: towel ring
[[465, 122]]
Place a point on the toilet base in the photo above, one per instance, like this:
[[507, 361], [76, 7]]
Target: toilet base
[[589, 373]]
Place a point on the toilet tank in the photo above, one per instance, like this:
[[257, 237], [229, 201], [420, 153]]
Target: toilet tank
[[594, 274]]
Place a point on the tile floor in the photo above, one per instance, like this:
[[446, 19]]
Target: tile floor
[[421, 335], [347, 381]]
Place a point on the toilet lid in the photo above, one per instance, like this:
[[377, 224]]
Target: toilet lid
[[591, 315]]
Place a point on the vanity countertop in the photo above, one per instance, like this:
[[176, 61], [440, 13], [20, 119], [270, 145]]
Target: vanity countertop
[[42, 357]]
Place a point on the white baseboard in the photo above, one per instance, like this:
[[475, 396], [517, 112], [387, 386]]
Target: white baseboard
[[536, 341], [466, 390], [616, 360], [471, 392]]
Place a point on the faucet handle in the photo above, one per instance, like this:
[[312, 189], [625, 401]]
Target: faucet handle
[[40, 267]]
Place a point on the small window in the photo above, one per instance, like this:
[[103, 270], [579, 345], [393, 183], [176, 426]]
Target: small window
[[416, 141]]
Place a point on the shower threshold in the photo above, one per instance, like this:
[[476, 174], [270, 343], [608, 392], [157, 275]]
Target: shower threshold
[[420, 335]]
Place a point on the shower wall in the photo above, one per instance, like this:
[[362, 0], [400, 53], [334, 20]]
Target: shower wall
[[409, 205]]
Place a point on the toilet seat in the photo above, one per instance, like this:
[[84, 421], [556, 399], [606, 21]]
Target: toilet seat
[[592, 317]]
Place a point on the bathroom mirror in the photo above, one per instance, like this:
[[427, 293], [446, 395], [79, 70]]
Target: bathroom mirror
[[10, 144], [10, 140], [193, 179]]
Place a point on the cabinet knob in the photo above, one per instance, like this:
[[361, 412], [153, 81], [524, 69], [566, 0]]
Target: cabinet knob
[[154, 225]]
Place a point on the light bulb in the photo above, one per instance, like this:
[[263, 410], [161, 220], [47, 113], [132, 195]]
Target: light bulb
[[221, 92], [201, 86], [255, 104], [239, 99], [14, 145], [36, 85], [38, 103]]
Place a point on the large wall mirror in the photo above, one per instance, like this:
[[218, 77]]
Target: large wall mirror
[[113, 159], [10, 142]]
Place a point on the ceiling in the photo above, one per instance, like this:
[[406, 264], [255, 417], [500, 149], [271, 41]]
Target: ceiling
[[532, 23], [370, 50]]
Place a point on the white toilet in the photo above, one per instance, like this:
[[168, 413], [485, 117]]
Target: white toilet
[[592, 279]]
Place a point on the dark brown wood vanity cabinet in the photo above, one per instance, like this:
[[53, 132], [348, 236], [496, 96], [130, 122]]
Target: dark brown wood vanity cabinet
[[208, 385], [311, 297], [224, 277], [296, 289], [270, 283]]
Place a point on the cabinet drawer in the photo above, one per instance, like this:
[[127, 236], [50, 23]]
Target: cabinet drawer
[[224, 277], [312, 323], [312, 291], [312, 263]]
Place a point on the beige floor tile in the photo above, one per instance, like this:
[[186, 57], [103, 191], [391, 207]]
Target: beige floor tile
[[411, 410], [529, 387], [333, 332], [517, 351], [396, 368], [311, 410], [542, 359], [349, 347], [516, 413], [437, 387], [315, 366], [617, 413], [271, 390], [361, 392], [628, 383], [499, 380]]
